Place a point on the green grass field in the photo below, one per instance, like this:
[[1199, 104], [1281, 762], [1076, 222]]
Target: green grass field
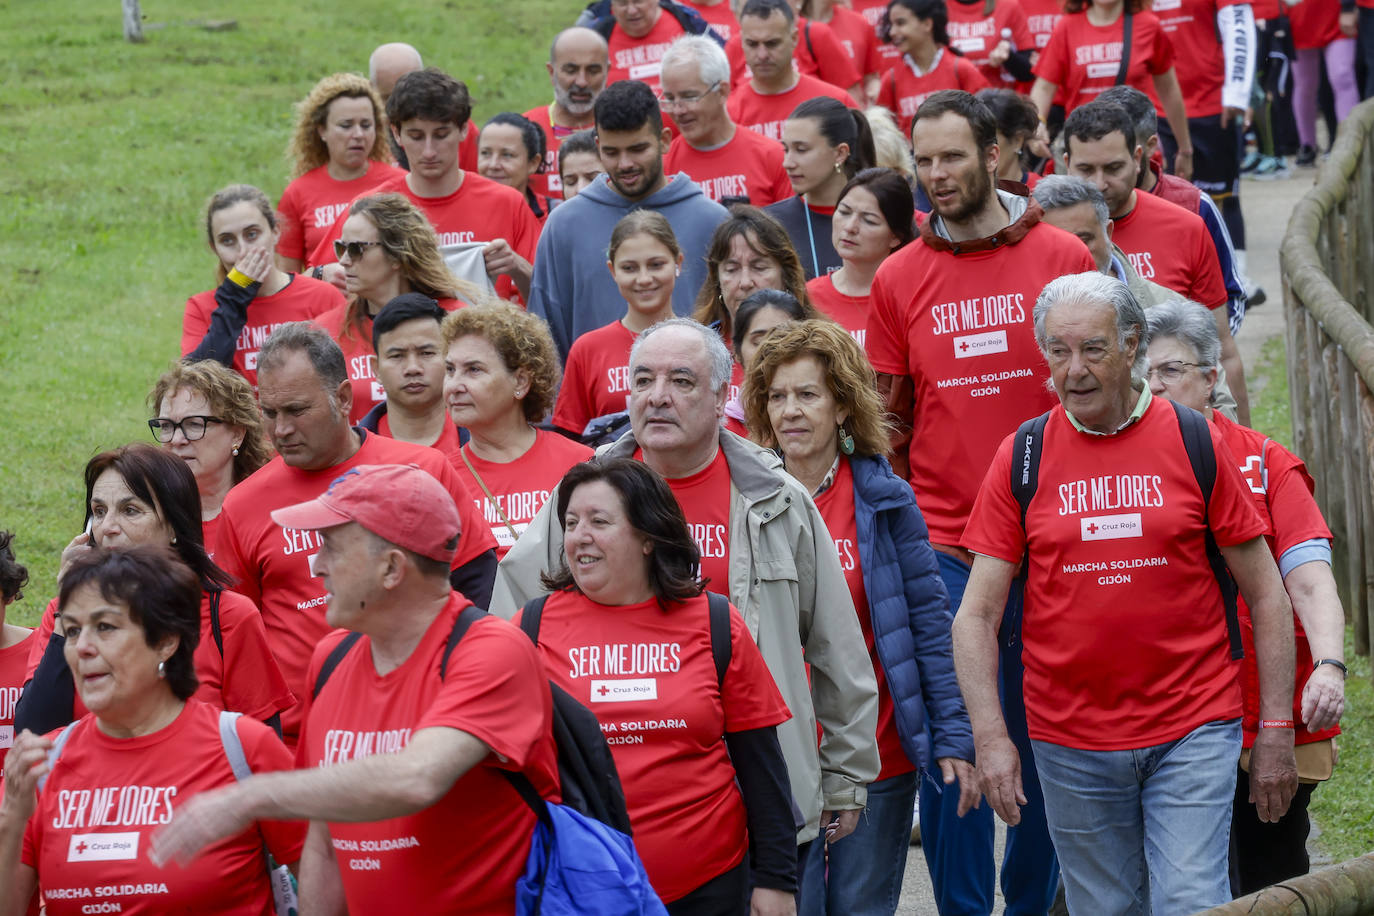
[[110, 152]]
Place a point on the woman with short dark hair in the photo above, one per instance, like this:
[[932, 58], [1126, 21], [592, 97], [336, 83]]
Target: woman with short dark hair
[[630, 613], [131, 622], [510, 149], [141, 495], [873, 218]]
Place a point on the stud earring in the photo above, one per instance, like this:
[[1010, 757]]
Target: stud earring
[[235, 451], [838, 168], [174, 540], [162, 669]]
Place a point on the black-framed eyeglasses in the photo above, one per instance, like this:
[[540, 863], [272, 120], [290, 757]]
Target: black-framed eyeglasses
[[355, 249], [1172, 371], [687, 99], [192, 428]]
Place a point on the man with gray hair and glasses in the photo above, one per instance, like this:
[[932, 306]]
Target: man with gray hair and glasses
[[1077, 206], [1118, 503], [732, 165], [305, 395], [764, 544]]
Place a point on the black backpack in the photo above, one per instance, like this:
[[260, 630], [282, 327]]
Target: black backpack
[[1025, 479], [586, 770]]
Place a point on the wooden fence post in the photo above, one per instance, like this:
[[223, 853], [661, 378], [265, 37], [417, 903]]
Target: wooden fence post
[[133, 21]]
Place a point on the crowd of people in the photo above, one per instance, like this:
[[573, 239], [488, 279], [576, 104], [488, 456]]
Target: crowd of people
[[839, 401]]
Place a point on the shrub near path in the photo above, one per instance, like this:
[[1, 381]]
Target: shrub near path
[[111, 150]]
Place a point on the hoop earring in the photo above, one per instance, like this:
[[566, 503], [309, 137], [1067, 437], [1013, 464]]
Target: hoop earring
[[162, 670], [846, 441]]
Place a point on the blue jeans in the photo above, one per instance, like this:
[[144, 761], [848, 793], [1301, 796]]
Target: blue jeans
[[1144, 831], [959, 851], [864, 877]]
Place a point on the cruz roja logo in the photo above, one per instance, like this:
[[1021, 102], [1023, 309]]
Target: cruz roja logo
[[1110, 527]]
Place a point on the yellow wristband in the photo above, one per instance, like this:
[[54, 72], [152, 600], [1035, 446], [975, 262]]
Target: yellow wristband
[[241, 279]]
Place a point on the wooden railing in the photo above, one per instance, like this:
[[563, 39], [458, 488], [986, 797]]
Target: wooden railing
[[1346, 889], [1327, 261]]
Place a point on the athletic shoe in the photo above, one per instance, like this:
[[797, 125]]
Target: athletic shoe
[[1254, 295], [1307, 157], [1251, 161], [1271, 168]]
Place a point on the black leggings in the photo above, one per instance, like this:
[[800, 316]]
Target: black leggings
[[1263, 854], [727, 894]]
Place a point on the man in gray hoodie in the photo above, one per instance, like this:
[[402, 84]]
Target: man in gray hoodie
[[572, 289]]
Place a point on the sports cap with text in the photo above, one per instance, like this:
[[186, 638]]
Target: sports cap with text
[[400, 503]]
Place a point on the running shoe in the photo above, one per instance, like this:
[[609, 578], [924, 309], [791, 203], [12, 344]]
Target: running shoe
[[1251, 161], [1307, 157], [1271, 168]]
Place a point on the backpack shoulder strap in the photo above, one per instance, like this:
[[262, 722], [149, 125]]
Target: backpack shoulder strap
[[1126, 29], [333, 659], [233, 744], [718, 607], [530, 616], [1197, 439], [215, 630], [1025, 461], [466, 618], [56, 751]]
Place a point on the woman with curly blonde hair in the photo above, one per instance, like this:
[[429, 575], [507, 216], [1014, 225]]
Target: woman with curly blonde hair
[[387, 247], [337, 152], [207, 415], [811, 393], [500, 379]]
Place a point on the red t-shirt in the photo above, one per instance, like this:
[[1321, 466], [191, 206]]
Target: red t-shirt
[[302, 299], [765, 113], [859, 40], [850, 311], [464, 853], [1201, 65], [596, 380], [975, 34], [14, 671], [522, 486], [749, 166], [1082, 59], [642, 58], [1315, 23], [873, 12], [274, 566], [209, 531], [836, 506], [91, 833], [359, 357], [244, 679], [1124, 634], [1281, 491], [720, 16], [312, 203], [549, 183], [649, 676], [479, 211], [1170, 246], [818, 53], [705, 500], [1041, 18], [960, 326], [447, 442], [903, 90]]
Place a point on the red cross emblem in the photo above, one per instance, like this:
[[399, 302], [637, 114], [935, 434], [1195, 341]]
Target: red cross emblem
[[603, 690], [1092, 528]]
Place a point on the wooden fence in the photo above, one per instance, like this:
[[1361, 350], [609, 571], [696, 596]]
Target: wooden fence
[[1327, 261]]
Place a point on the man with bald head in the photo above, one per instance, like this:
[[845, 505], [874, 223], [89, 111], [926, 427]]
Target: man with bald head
[[577, 69]]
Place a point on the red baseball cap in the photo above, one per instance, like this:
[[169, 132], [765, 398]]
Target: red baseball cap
[[400, 503]]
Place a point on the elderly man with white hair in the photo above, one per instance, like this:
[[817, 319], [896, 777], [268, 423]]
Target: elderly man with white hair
[[1119, 502], [733, 165], [763, 544]]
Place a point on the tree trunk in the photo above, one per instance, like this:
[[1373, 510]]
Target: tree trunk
[[133, 21]]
